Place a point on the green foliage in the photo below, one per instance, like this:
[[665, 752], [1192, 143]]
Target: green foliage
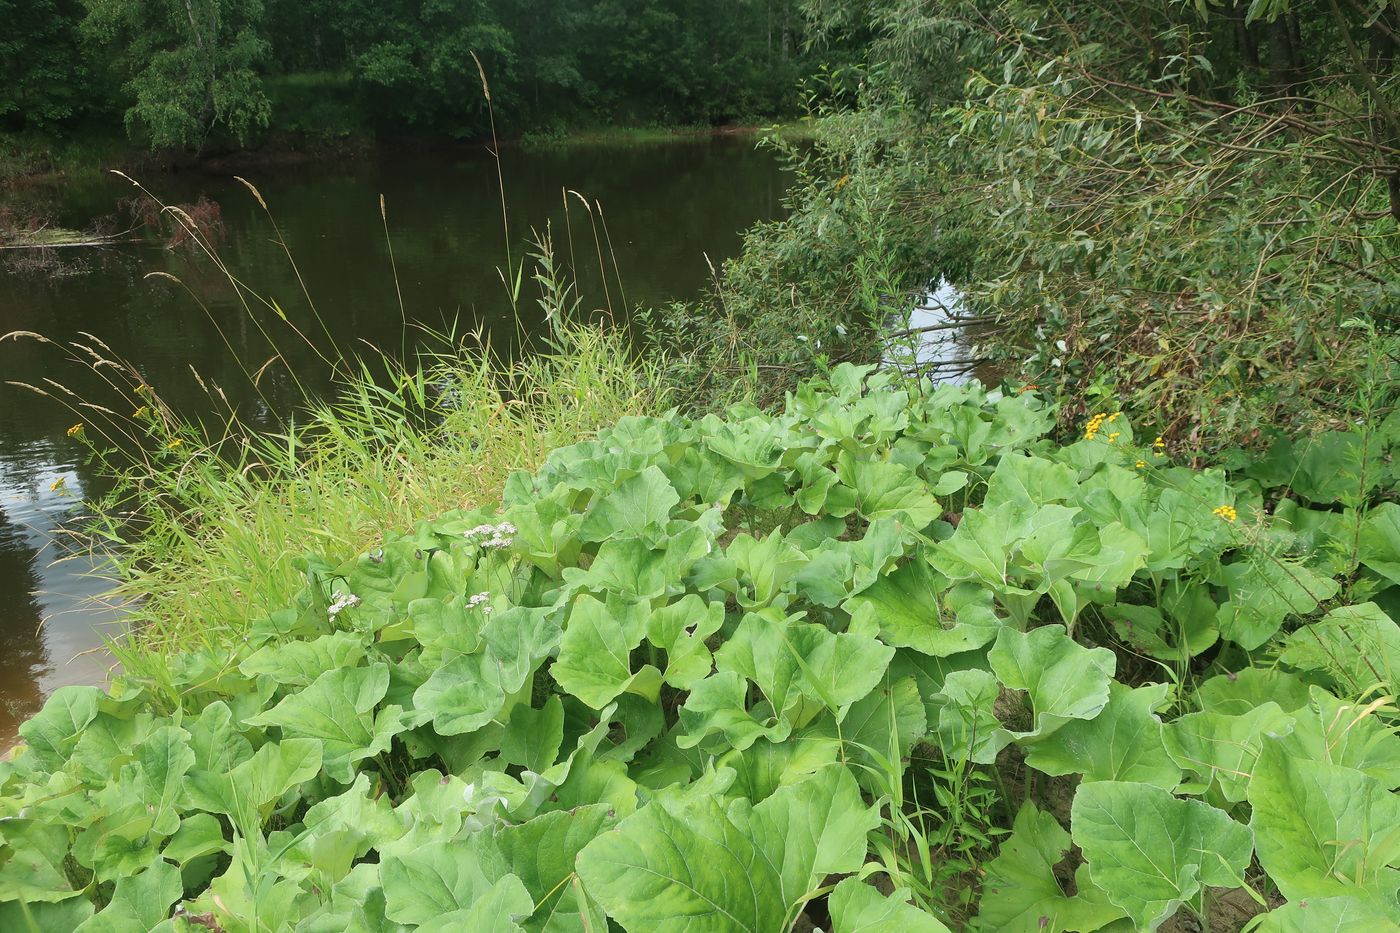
[[188, 67], [670, 681]]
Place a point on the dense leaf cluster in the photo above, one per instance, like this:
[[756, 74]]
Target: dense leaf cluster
[[684, 676]]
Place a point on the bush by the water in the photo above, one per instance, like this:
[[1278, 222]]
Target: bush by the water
[[859, 664]]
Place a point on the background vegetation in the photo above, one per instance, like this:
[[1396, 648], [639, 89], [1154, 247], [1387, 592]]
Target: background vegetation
[[220, 73]]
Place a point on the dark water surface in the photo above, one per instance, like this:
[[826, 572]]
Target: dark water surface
[[666, 207]]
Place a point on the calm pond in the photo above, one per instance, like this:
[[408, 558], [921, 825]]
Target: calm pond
[[666, 207]]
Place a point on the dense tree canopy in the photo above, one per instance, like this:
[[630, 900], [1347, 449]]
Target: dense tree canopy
[[182, 73]]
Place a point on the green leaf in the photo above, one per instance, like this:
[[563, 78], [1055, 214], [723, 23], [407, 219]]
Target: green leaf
[[856, 907], [887, 490], [1358, 646], [1030, 481], [682, 862], [140, 902], [594, 654], [718, 704], [1121, 743], [680, 629], [1021, 892], [1065, 681], [53, 732], [1344, 733], [1264, 591], [1222, 749], [438, 878], [542, 851], [338, 709], [1378, 541], [906, 607], [1333, 915], [1322, 829], [298, 663], [1151, 851], [276, 768], [494, 912], [637, 508]]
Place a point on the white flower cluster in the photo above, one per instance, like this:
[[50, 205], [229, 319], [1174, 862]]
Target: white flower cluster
[[343, 601], [479, 602], [492, 536]]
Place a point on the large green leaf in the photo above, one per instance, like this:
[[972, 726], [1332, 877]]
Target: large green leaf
[[1357, 646], [53, 731], [690, 864], [1063, 679], [1021, 892], [1378, 541], [637, 508], [857, 907], [139, 902], [338, 708], [271, 772], [541, 852], [1222, 749], [1152, 851], [438, 878], [300, 662], [909, 613], [1121, 743], [1264, 591], [595, 652], [680, 629], [1333, 915], [1322, 829]]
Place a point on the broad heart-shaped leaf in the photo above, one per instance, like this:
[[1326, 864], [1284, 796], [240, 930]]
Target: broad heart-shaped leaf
[[1264, 591], [1378, 543], [542, 851], [53, 731], [1357, 646], [887, 490], [472, 690], [1152, 851], [637, 508], [680, 630], [877, 730], [686, 864], [856, 907], [261, 780], [338, 709], [981, 547], [595, 651], [785, 657], [907, 608], [494, 912], [1333, 915], [1065, 680], [1322, 829], [1021, 893], [1122, 743], [1345, 733], [440, 877], [301, 662], [165, 757], [718, 704], [1030, 481], [1220, 748], [140, 902], [764, 566]]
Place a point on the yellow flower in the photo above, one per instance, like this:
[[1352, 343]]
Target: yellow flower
[[140, 412], [75, 430], [1091, 429], [142, 389], [842, 182], [1226, 512], [1159, 445], [1113, 436], [58, 484], [1140, 464], [173, 444]]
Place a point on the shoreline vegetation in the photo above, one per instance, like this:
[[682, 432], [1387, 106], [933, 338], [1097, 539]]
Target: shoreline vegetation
[[749, 619]]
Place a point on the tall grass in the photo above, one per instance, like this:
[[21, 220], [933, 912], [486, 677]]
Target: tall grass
[[204, 528]]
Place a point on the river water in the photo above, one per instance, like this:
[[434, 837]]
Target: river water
[[658, 211]]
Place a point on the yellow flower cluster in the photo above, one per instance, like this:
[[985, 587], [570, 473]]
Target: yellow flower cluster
[[1140, 464], [173, 444], [141, 412], [1096, 423], [75, 430], [1159, 446], [1226, 512], [58, 484]]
